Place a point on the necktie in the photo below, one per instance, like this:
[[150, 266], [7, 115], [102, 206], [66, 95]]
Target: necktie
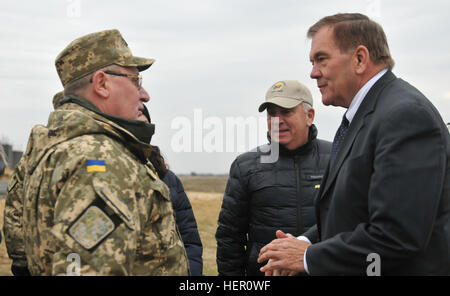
[[338, 139]]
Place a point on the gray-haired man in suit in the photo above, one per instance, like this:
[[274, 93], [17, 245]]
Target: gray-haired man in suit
[[385, 197]]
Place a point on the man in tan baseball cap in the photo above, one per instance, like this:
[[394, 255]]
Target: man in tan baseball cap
[[291, 103], [274, 192]]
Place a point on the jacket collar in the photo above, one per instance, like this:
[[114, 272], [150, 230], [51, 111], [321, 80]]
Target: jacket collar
[[143, 131], [304, 149], [72, 120]]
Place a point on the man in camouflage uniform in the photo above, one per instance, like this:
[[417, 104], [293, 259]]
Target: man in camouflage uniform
[[88, 188], [12, 225], [13, 215]]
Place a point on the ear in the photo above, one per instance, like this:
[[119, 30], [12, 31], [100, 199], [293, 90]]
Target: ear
[[361, 59], [310, 116], [100, 84]]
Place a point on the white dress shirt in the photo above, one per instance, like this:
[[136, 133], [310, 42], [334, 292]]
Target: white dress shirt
[[350, 114]]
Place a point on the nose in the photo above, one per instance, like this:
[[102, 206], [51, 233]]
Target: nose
[[278, 119], [144, 96], [315, 72]]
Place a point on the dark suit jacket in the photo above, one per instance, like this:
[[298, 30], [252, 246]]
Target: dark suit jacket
[[388, 191]]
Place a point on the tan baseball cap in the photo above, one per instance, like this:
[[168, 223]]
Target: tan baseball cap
[[287, 94], [94, 51]]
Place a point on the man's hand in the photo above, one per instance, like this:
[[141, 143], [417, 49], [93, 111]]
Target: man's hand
[[285, 255]]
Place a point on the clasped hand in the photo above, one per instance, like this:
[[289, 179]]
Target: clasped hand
[[284, 254]]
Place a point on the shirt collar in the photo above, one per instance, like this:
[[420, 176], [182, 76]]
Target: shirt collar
[[359, 97]]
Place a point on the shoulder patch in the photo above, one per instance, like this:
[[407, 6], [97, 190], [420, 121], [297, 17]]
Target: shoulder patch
[[91, 227]]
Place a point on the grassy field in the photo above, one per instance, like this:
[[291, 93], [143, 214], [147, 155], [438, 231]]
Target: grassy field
[[205, 194]]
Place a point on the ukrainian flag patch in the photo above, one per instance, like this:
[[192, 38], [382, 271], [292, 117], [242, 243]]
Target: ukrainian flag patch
[[95, 166]]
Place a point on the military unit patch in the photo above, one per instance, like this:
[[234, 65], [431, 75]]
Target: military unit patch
[[91, 228]]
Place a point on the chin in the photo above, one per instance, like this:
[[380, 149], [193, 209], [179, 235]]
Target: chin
[[283, 142], [326, 101]]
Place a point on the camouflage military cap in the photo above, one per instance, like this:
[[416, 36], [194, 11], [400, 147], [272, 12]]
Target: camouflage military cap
[[94, 51]]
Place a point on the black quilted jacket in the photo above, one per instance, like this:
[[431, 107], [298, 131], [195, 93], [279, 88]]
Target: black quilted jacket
[[187, 225], [261, 198]]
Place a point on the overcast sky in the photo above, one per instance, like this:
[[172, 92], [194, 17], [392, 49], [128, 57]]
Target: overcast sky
[[214, 60]]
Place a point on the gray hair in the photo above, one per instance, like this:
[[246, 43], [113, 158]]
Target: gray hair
[[306, 107], [76, 86], [353, 29]]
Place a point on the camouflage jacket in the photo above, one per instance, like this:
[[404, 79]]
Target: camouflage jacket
[[12, 224], [13, 214], [90, 195]]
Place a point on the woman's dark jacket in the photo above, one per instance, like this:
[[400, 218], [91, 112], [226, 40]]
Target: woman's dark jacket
[[261, 198], [186, 223]]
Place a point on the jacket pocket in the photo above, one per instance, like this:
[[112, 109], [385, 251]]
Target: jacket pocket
[[315, 180], [114, 203]]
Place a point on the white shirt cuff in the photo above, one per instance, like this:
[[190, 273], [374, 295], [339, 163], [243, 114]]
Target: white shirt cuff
[[305, 264]]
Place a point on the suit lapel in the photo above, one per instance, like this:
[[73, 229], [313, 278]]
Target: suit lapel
[[350, 137], [366, 107]]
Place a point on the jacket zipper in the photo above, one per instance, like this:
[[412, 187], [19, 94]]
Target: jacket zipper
[[299, 204]]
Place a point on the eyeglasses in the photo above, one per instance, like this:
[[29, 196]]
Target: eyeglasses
[[136, 78]]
